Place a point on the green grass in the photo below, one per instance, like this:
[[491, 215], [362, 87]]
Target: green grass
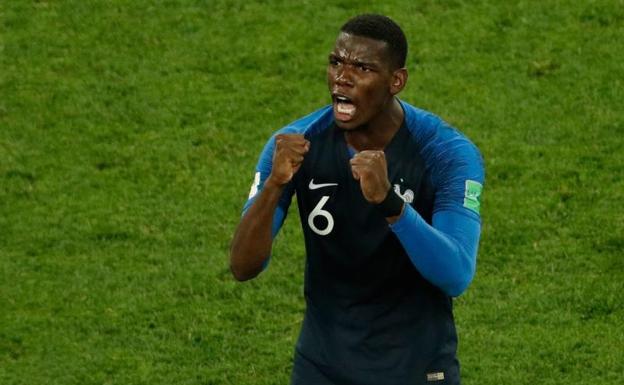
[[128, 137]]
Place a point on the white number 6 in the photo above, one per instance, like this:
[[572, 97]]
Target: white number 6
[[318, 210]]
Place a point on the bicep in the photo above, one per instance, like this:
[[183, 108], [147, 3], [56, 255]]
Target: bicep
[[458, 178]]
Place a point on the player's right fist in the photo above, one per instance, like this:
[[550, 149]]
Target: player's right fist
[[287, 157]]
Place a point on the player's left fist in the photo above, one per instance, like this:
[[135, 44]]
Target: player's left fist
[[370, 168]]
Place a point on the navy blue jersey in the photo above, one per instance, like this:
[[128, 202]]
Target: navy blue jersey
[[376, 312]]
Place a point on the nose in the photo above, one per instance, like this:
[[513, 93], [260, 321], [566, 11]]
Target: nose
[[344, 76]]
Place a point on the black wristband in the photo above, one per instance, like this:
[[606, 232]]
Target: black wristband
[[392, 205]]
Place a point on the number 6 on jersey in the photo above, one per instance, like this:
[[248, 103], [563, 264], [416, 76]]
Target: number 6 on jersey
[[318, 210]]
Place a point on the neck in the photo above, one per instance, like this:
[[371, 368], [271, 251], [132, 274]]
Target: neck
[[377, 133]]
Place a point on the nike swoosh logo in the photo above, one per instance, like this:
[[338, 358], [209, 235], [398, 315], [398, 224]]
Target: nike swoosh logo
[[314, 186]]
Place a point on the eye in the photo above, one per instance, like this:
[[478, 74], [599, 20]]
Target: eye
[[333, 61], [363, 68]]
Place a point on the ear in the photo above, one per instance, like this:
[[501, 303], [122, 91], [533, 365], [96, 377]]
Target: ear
[[399, 80]]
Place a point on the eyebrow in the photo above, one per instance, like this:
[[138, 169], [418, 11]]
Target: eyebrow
[[365, 63], [356, 61]]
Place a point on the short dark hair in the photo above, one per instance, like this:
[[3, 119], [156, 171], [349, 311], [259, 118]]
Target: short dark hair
[[382, 28]]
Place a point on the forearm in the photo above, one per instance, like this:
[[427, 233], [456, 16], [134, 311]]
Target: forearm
[[251, 245], [445, 254]]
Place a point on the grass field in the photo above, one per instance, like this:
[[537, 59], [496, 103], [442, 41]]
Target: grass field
[[128, 136]]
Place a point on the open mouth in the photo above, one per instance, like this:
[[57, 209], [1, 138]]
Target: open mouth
[[344, 109]]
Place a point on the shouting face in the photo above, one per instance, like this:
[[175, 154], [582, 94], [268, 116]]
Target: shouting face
[[361, 80]]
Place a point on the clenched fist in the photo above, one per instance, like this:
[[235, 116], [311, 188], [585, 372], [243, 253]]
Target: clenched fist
[[370, 168], [287, 157]]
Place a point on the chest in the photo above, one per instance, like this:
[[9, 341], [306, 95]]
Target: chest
[[330, 198]]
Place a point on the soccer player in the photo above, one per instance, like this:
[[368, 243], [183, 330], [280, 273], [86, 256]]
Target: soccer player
[[389, 200]]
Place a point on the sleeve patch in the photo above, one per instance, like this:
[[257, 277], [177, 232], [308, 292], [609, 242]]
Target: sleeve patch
[[254, 187], [472, 195]]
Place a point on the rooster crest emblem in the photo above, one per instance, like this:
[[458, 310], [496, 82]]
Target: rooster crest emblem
[[407, 196]]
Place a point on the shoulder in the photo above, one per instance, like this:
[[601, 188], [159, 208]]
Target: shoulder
[[453, 164], [444, 149], [310, 124]]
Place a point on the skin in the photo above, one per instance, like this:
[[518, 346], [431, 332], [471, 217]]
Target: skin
[[252, 240], [360, 69]]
